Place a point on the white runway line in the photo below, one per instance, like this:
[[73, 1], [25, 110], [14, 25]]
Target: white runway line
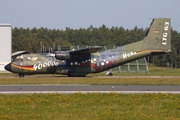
[[85, 92]]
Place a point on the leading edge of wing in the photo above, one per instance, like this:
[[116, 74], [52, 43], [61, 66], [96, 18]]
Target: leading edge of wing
[[88, 50]]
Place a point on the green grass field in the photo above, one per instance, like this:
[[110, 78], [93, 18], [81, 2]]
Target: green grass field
[[94, 106], [90, 80]]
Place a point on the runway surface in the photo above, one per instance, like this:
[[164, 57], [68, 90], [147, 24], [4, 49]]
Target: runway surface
[[71, 88]]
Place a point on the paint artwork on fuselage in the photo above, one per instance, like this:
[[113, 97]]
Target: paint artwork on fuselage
[[45, 64], [82, 63], [36, 62], [32, 58], [103, 61], [109, 58]]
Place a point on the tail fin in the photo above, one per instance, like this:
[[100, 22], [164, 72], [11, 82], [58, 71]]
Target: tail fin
[[158, 37]]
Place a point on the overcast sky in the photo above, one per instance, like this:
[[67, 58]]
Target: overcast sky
[[76, 14]]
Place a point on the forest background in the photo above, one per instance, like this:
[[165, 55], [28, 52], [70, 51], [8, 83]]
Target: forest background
[[34, 39]]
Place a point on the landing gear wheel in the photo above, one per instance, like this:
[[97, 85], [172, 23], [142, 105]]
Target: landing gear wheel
[[21, 75], [70, 75], [109, 73]]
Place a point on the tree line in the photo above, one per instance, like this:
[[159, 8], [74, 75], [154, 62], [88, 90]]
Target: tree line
[[34, 39]]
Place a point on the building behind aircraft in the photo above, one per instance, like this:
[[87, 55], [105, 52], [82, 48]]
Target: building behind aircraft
[[5, 44]]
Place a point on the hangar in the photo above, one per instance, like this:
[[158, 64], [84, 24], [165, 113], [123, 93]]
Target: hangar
[[5, 45]]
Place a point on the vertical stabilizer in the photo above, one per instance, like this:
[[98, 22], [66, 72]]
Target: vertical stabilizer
[[158, 37]]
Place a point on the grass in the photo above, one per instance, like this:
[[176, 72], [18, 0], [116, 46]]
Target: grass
[[94, 106], [90, 80]]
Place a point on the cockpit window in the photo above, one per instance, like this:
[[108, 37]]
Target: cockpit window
[[19, 58]]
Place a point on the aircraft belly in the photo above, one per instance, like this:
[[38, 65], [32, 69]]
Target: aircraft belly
[[73, 70]]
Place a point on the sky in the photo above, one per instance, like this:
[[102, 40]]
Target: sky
[[75, 14]]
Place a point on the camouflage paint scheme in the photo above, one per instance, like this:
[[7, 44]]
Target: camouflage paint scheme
[[89, 60]]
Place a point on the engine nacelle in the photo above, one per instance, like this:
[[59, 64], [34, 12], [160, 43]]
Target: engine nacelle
[[62, 55]]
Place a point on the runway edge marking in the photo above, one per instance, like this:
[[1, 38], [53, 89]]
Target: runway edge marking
[[85, 92]]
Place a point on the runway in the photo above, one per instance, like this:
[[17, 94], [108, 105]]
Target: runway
[[72, 88]]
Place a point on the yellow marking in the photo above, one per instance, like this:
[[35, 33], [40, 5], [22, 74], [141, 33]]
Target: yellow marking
[[23, 67]]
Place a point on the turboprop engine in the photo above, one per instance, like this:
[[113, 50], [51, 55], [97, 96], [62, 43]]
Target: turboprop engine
[[62, 55]]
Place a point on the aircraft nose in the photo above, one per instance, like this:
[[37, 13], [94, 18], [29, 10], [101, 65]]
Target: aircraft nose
[[8, 67]]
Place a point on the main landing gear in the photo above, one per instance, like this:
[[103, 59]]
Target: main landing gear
[[21, 75], [109, 73], [76, 75]]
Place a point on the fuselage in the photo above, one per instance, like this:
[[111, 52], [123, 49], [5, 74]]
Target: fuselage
[[46, 63]]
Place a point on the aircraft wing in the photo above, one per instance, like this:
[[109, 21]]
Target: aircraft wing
[[91, 49]]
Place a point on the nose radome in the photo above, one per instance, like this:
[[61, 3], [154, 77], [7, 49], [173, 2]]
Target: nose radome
[[8, 67]]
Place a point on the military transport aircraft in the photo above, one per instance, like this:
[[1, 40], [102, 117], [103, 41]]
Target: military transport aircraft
[[88, 60]]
